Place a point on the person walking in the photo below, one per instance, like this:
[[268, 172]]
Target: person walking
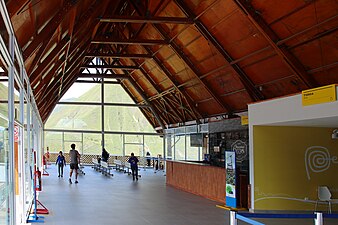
[[133, 164], [74, 158], [61, 162]]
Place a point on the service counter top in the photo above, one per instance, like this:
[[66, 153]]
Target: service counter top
[[197, 178]]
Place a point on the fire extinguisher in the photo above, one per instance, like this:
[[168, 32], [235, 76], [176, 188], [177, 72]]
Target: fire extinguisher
[[38, 186]]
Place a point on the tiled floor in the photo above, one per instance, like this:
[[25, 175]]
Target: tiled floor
[[100, 200]]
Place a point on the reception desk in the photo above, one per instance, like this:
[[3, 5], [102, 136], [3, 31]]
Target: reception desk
[[197, 178]]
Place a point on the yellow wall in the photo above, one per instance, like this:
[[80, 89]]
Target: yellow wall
[[282, 157]]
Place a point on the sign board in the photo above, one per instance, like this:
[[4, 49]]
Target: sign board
[[244, 120], [319, 95], [230, 184]]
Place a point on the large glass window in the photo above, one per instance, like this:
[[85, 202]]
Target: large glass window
[[83, 92], [119, 118], [193, 148], [180, 147], [114, 143], [114, 93], [53, 140], [153, 145], [4, 97], [75, 117], [92, 144]]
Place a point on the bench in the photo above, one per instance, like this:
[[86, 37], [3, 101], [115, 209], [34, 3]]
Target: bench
[[106, 169], [96, 165], [119, 166], [127, 168]]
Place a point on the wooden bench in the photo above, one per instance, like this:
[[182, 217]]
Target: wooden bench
[[96, 165], [106, 169]]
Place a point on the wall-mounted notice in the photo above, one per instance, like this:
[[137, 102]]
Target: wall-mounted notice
[[244, 120], [230, 184], [319, 95]]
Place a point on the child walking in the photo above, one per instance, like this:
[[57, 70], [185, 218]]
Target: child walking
[[61, 162]]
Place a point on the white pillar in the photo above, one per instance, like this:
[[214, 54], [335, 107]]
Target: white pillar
[[319, 218], [233, 220]]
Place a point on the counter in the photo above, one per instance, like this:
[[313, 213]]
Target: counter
[[197, 178]]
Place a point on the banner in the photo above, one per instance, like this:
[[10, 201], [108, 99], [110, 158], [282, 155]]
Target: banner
[[230, 184]]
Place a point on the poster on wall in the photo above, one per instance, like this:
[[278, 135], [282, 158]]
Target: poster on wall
[[230, 184]]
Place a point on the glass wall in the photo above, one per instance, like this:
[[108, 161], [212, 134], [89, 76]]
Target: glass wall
[[114, 93], [125, 128], [54, 141], [75, 117], [122, 118], [91, 93], [186, 143], [114, 143]]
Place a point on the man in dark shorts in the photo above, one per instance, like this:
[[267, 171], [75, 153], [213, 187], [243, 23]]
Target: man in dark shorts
[[74, 160]]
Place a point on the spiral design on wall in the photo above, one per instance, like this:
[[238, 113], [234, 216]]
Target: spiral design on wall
[[317, 159]]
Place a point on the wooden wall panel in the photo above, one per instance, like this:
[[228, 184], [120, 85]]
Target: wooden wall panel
[[204, 180]]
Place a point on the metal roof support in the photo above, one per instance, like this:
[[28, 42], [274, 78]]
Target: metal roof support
[[142, 19], [185, 59], [125, 41], [110, 67], [118, 55], [290, 60], [172, 108], [197, 73], [137, 88], [182, 92], [253, 92]]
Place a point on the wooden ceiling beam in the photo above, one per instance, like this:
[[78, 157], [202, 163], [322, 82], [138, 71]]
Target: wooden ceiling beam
[[288, 58], [142, 19], [118, 55], [14, 6], [36, 75], [134, 41], [253, 92], [187, 61], [47, 32]]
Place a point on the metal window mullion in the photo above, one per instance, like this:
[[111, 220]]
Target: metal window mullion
[[11, 177], [123, 148], [102, 113]]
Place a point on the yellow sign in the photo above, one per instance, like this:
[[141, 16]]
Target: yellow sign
[[244, 120], [319, 95]]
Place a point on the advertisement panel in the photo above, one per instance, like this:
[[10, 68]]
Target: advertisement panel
[[230, 187]]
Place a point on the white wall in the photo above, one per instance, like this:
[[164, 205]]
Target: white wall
[[288, 111]]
